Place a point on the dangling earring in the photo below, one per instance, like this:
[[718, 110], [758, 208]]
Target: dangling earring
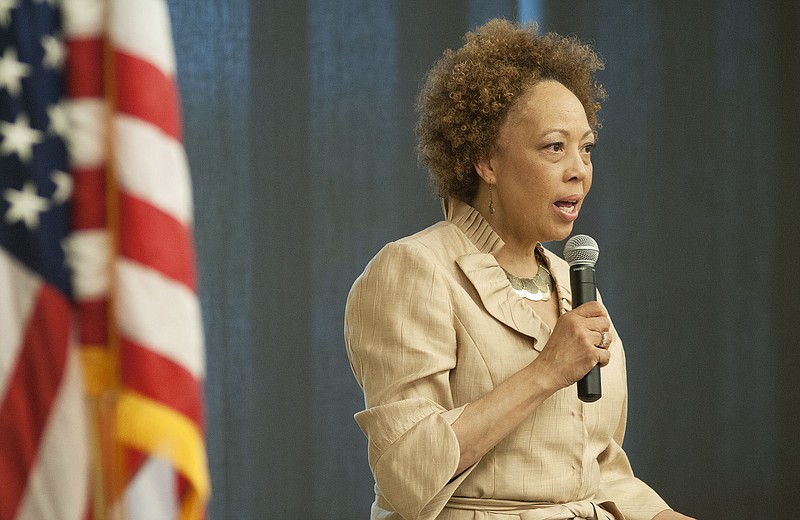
[[491, 202]]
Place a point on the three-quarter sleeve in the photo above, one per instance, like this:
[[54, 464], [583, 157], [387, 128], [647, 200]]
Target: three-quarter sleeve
[[401, 345]]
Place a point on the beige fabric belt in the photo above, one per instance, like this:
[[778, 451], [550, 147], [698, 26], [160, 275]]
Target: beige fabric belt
[[509, 509]]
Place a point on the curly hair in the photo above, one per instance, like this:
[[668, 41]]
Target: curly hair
[[468, 93]]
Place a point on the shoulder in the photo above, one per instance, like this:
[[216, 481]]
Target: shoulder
[[418, 262], [442, 237], [436, 246]]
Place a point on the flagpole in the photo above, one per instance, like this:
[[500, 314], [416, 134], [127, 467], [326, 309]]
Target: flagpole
[[114, 455]]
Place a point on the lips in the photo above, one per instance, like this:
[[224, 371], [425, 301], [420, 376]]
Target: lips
[[568, 207]]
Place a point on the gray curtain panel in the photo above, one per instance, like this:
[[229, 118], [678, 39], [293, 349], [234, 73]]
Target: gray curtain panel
[[298, 123]]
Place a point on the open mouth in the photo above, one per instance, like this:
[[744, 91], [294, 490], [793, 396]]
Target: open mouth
[[567, 206]]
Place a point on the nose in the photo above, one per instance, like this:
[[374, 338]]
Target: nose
[[578, 166]]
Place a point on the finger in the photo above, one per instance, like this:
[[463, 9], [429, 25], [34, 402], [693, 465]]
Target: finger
[[597, 324], [604, 357], [591, 310], [605, 339], [598, 338], [591, 337]]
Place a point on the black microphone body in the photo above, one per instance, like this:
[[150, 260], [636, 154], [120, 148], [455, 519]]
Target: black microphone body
[[581, 253], [584, 289]]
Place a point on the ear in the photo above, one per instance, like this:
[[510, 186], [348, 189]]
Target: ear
[[485, 169]]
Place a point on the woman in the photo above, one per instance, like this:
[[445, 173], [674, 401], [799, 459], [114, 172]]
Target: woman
[[471, 407]]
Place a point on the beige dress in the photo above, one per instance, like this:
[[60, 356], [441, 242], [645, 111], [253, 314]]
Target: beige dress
[[433, 324]]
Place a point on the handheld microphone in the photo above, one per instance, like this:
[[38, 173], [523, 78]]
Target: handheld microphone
[[581, 254]]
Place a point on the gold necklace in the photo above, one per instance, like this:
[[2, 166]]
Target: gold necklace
[[537, 289]]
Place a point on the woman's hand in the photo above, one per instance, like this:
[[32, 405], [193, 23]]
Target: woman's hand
[[572, 349], [568, 355]]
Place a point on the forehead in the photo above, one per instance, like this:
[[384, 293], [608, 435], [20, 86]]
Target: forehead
[[548, 105]]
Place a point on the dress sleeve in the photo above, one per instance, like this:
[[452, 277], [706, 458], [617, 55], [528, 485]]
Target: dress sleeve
[[629, 495], [401, 344]]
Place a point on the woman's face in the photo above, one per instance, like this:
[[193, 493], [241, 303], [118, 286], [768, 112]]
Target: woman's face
[[541, 167]]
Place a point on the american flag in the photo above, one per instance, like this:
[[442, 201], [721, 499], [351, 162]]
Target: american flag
[[43, 455], [131, 257]]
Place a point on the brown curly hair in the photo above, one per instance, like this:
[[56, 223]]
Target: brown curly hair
[[468, 93]]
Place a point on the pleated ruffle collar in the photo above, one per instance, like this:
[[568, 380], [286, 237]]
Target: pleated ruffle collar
[[489, 279]]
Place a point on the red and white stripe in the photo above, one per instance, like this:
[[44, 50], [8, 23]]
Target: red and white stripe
[[151, 284], [44, 464]]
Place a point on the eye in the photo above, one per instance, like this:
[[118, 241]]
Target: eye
[[587, 148], [555, 147]]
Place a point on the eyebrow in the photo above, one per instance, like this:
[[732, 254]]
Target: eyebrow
[[565, 132]]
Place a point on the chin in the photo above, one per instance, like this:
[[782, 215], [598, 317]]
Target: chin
[[561, 234]]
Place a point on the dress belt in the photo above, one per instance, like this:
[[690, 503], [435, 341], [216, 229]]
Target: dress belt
[[503, 509]]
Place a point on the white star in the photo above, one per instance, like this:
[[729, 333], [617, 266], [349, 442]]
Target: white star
[[63, 182], [70, 260], [12, 71], [59, 120], [54, 52], [5, 11], [25, 205], [19, 137]]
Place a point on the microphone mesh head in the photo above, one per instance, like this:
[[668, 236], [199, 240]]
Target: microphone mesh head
[[581, 249]]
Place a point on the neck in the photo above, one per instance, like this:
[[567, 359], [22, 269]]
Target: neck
[[520, 261], [516, 246], [517, 254]]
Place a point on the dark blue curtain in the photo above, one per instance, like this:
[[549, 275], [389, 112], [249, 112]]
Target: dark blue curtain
[[298, 121]]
